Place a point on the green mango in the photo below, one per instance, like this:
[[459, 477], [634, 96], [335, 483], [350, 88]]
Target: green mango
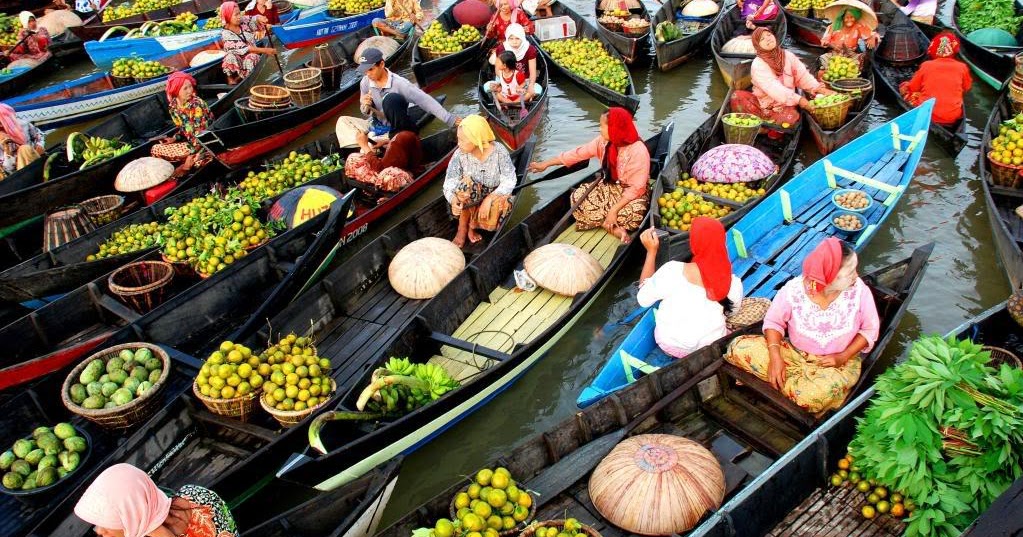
[[132, 384], [78, 393], [109, 388], [35, 456], [49, 461], [76, 444], [21, 467], [122, 396], [69, 460], [153, 363], [94, 388], [47, 476], [13, 481], [143, 355], [140, 373], [39, 431], [126, 356], [118, 376], [143, 388], [94, 402], [22, 447], [154, 375], [64, 430], [6, 460]]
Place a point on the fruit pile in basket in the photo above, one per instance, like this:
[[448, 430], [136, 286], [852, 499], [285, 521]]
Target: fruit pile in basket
[[44, 458], [798, 5], [492, 505], [1007, 147], [828, 100], [848, 222], [298, 377], [293, 170], [437, 39], [840, 67], [737, 192], [129, 239], [118, 381], [129, 9], [138, 69], [679, 208], [354, 7], [214, 22], [9, 28], [588, 59], [819, 5], [231, 371]]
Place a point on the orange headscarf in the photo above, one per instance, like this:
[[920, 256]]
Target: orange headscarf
[[944, 45], [822, 265]]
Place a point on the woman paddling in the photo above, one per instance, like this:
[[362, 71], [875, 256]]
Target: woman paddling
[[35, 42], [239, 39], [508, 13]]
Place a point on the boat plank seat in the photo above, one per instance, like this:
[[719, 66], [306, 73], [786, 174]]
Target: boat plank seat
[[834, 511], [759, 424], [804, 419], [111, 305]]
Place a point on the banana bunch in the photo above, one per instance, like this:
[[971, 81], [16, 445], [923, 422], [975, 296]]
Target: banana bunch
[[402, 386], [92, 150], [440, 382]]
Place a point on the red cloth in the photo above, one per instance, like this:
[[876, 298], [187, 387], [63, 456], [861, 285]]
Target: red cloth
[[945, 79], [227, 10], [175, 82], [745, 102], [622, 132], [11, 125], [472, 12], [822, 265], [944, 45], [405, 152], [271, 14], [497, 25], [521, 65], [707, 240]]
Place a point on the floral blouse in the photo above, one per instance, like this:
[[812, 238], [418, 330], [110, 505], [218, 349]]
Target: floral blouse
[[191, 119], [35, 48], [212, 518], [496, 173], [237, 45]]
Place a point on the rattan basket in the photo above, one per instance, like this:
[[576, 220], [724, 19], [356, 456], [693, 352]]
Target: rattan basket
[[832, 116], [521, 526], [303, 78], [638, 31], [805, 12], [1001, 356], [128, 414], [1006, 175], [751, 311], [739, 134], [141, 284], [121, 81], [853, 87], [291, 418], [613, 26], [430, 54], [269, 96], [65, 225], [530, 530], [181, 268], [239, 408], [102, 210]]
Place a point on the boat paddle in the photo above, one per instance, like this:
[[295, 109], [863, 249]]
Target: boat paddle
[[556, 174], [6, 55], [270, 38]]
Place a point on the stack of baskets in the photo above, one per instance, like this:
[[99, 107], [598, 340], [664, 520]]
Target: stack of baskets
[[1016, 85], [1006, 175], [141, 284], [331, 65], [832, 116], [65, 225], [264, 101], [102, 210], [304, 85], [128, 414]]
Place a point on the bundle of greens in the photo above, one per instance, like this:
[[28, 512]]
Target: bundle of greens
[[978, 14], [946, 429]]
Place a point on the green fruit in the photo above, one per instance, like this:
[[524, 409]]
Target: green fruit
[[132, 384], [118, 376], [105, 378], [94, 388], [7, 459], [78, 393], [21, 467], [49, 443], [122, 396], [76, 444], [49, 461], [69, 460], [22, 447], [46, 476], [35, 456], [116, 363], [126, 356], [143, 388], [61, 472], [153, 363], [39, 431], [140, 373], [88, 375], [109, 388], [143, 355], [109, 404], [13, 481], [94, 402], [863, 486]]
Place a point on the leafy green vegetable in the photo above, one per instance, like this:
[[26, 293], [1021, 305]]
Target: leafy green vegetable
[[947, 430], [978, 14]]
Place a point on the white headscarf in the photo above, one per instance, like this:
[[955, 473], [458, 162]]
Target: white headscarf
[[25, 16], [516, 30]]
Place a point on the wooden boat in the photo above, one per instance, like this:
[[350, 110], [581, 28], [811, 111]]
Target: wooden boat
[[806, 30], [627, 100], [631, 48], [735, 68], [509, 124], [20, 77], [890, 75], [796, 486], [1002, 201], [96, 95], [674, 53], [65, 267], [94, 27], [431, 73], [314, 26], [477, 317], [828, 140], [994, 63], [768, 244], [687, 398], [708, 135], [234, 140]]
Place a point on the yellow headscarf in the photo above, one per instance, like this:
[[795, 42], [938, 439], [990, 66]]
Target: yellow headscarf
[[477, 130]]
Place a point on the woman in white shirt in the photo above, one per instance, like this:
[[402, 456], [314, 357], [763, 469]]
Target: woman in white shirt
[[696, 296]]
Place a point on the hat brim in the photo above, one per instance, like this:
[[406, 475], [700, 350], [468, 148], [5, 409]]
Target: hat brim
[[365, 67], [868, 16]]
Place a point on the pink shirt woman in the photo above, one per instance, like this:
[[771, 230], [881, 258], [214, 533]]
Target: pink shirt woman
[[823, 331]]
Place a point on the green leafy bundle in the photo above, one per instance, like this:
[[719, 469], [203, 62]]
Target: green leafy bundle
[[946, 429], [978, 14]]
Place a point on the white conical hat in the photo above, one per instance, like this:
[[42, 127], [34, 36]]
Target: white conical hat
[[143, 173], [565, 269], [423, 267]]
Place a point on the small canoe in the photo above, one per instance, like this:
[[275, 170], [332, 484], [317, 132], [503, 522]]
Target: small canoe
[[20, 77], [735, 67], [479, 328], [767, 245], [1002, 201], [235, 140], [828, 140], [632, 49], [674, 53], [891, 75], [806, 30], [314, 26], [584, 29], [557, 464], [93, 27], [431, 73], [509, 123]]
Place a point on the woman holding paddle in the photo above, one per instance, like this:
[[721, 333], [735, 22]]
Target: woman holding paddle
[[239, 37], [508, 13], [34, 42]]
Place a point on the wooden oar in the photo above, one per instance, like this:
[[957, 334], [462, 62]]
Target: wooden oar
[[556, 174], [270, 38]]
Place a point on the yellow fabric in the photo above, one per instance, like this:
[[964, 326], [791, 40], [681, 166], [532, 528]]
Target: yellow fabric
[[477, 130], [26, 155], [814, 387]]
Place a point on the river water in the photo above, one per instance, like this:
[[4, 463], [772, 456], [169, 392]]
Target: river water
[[943, 204]]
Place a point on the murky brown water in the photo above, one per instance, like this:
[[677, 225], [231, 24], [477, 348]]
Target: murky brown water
[[943, 204]]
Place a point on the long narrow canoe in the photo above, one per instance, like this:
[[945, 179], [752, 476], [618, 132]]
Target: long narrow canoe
[[234, 140], [828, 140], [479, 328], [767, 246], [94, 27], [508, 123], [735, 67], [806, 30], [674, 53], [1006, 225], [558, 463], [20, 77], [432, 73], [314, 26], [794, 493], [584, 29], [632, 49]]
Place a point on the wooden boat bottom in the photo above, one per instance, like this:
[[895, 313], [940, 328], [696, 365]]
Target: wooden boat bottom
[[513, 317], [835, 511]]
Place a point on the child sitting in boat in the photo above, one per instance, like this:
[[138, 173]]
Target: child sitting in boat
[[508, 13], [695, 297], [403, 153], [124, 501], [524, 55], [830, 318], [944, 78], [36, 41], [509, 86], [851, 24], [400, 17], [22, 141]]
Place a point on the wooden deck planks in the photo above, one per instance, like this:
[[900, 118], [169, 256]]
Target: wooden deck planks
[[835, 511]]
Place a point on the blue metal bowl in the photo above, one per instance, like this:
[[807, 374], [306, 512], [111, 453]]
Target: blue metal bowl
[[839, 192], [846, 233]]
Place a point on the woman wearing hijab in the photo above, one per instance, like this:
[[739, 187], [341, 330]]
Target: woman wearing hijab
[[695, 297], [479, 180], [944, 78], [22, 141], [619, 199], [525, 56], [239, 38], [776, 74], [190, 115], [508, 13], [124, 502], [37, 41], [850, 26], [403, 153], [829, 316]]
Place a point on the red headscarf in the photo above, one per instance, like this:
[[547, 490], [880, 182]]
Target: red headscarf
[[175, 81], [774, 58], [944, 45], [621, 131], [822, 265], [227, 10], [707, 240], [12, 126]]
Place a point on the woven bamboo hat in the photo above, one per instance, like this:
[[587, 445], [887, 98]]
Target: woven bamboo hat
[[868, 17], [564, 269], [423, 267], [143, 173]]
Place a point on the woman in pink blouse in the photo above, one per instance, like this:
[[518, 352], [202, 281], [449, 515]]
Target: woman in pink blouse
[[618, 199], [777, 74], [830, 318]]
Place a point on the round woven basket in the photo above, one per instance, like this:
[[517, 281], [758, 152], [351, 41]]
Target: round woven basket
[[65, 225], [125, 415], [139, 80], [268, 96], [239, 408], [853, 87], [41, 495], [102, 210], [530, 530], [121, 81], [1006, 175], [832, 116], [751, 311], [305, 77], [799, 12], [639, 31], [1001, 356], [291, 418], [141, 284], [740, 134], [181, 268], [613, 26], [306, 96], [336, 13], [506, 533], [430, 54]]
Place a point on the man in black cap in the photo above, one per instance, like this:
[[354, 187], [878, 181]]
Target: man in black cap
[[378, 81]]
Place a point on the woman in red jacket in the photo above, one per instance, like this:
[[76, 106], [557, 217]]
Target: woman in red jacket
[[944, 78]]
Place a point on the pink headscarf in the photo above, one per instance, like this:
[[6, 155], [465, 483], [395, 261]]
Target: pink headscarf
[[822, 265], [175, 81], [12, 126], [227, 10], [124, 498]]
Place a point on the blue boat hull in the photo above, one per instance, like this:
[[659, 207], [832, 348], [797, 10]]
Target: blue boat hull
[[315, 26]]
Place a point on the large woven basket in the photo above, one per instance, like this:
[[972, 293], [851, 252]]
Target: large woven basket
[[291, 418], [102, 210], [530, 530], [751, 311], [1005, 175], [306, 96], [799, 12], [737, 134], [141, 284], [181, 268], [832, 116], [430, 54], [125, 415], [268, 96], [521, 526], [1001, 356], [636, 31], [65, 225], [853, 87], [121, 81], [303, 78], [239, 408]]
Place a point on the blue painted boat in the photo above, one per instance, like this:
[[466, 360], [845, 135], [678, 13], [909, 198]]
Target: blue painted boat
[[768, 245], [315, 26]]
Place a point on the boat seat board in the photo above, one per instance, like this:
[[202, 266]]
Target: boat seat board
[[834, 511]]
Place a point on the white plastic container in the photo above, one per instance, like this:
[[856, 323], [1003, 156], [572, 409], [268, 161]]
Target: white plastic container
[[554, 28]]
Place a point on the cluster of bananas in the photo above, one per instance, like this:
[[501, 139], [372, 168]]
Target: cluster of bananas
[[402, 386], [91, 150]]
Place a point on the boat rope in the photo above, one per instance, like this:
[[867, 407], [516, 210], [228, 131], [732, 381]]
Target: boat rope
[[173, 451], [480, 368]]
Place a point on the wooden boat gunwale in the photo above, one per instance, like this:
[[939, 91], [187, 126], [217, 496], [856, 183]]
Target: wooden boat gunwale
[[1006, 243], [432, 74], [674, 53], [631, 48]]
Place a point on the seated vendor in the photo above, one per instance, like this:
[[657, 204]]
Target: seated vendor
[[403, 154], [849, 26], [191, 116], [508, 13], [829, 317], [33, 42], [944, 78], [524, 56]]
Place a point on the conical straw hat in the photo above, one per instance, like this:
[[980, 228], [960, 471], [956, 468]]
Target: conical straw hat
[[423, 267], [564, 269], [143, 173], [868, 16]]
